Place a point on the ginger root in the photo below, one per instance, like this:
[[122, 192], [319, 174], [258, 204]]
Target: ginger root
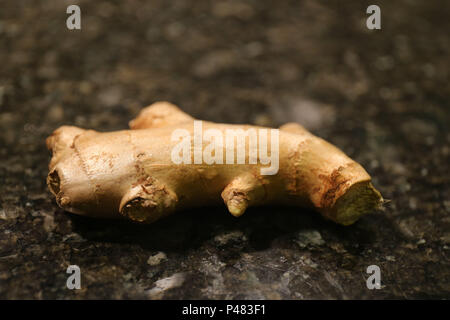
[[131, 173]]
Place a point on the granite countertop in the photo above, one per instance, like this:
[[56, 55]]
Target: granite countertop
[[379, 95]]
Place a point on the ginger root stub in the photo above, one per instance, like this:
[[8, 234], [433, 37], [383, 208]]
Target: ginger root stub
[[145, 173]]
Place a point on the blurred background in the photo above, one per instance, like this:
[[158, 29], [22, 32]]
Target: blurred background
[[379, 95]]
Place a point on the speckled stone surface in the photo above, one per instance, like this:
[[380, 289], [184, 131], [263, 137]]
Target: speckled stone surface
[[381, 96]]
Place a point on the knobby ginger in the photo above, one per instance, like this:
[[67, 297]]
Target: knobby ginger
[[135, 173]]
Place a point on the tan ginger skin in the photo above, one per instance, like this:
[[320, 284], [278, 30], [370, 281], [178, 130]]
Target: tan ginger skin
[[130, 173]]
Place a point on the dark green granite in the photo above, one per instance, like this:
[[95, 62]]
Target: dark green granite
[[381, 96]]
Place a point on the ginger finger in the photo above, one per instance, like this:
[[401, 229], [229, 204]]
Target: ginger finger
[[241, 192], [147, 202], [159, 114]]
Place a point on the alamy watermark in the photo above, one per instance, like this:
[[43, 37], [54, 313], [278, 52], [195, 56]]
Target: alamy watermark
[[74, 280], [74, 20], [374, 20], [374, 281], [229, 144]]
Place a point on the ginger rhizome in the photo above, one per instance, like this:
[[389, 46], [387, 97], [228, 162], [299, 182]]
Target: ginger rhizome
[[132, 173]]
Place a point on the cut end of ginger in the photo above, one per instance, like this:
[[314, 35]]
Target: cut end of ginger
[[360, 199]]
